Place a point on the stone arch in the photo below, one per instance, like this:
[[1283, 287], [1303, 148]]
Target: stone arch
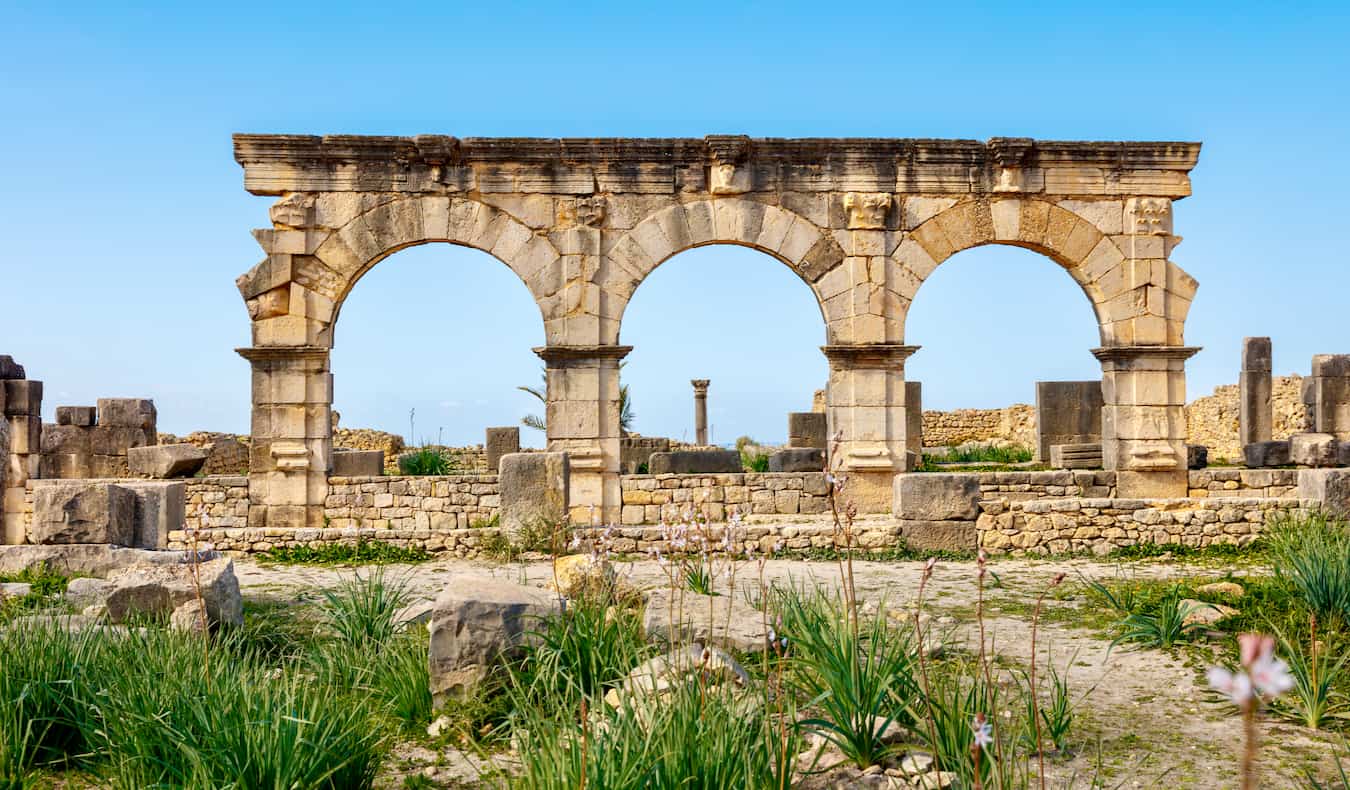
[[1139, 299], [305, 292], [808, 250]]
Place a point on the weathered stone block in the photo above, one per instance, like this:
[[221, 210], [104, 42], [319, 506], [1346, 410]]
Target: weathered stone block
[[948, 535], [1076, 456], [160, 509], [358, 463], [117, 439], [1330, 487], [925, 496], [127, 412], [695, 462], [807, 429], [1313, 449], [476, 622], [83, 416], [499, 442], [1067, 412], [83, 513], [1258, 455], [1197, 456], [163, 461], [61, 438], [1255, 412], [23, 397], [534, 489], [9, 369], [1343, 454], [797, 459]]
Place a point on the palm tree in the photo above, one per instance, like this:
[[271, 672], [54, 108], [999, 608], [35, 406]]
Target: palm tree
[[626, 413]]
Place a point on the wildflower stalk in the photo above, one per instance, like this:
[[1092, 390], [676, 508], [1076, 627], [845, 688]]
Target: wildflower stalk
[[1031, 680], [923, 655]]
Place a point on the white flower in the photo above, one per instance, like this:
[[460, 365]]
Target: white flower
[[982, 730], [1236, 686], [1270, 676]]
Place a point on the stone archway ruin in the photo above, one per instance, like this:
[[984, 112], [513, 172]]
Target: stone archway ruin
[[583, 221]]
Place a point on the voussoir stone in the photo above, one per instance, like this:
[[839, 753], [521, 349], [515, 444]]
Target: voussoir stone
[[157, 590], [162, 461], [926, 496], [80, 512], [476, 621]]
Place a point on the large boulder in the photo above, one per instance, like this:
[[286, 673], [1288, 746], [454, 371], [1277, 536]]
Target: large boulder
[[926, 496], [79, 512], [476, 622], [533, 489], [723, 620], [163, 461], [1317, 450], [157, 590]]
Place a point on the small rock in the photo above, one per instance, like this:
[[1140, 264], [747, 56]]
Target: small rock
[[938, 780], [1226, 589], [871, 770], [916, 763], [660, 674], [439, 727], [84, 591], [1202, 613], [15, 590]]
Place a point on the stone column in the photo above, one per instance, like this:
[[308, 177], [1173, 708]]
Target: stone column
[[913, 422], [865, 404], [583, 421], [1255, 414], [1144, 418], [291, 450], [700, 411]]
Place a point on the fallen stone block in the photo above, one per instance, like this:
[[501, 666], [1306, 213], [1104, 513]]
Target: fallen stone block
[[533, 489], [93, 559], [723, 620], [1197, 456], [164, 461], [358, 463], [85, 591], [161, 508], [79, 416], [14, 590], [797, 459], [693, 663], [1076, 456], [695, 462], [83, 513], [476, 622], [155, 591], [1317, 450], [925, 496], [1259, 455], [943, 535]]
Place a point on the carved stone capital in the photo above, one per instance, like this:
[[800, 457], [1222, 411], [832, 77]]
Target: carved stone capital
[[293, 211], [1149, 216], [273, 354], [700, 386], [1132, 353], [580, 356], [868, 355], [867, 210]]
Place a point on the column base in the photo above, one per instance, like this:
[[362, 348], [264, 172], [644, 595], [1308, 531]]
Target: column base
[[869, 491]]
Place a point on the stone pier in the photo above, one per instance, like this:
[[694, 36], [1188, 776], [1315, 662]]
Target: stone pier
[[1255, 412]]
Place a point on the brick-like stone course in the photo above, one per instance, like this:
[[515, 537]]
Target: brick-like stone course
[[647, 499]]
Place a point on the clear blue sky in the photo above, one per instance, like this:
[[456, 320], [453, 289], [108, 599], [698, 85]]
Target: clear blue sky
[[125, 221]]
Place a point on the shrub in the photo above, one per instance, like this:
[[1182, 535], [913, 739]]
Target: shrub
[[1315, 699], [1161, 623], [427, 461], [859, 676], [362, 552], [579, 653], [363, 610], [754, 462], [1312, 553]]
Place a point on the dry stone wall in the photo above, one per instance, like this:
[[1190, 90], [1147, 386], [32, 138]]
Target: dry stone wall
[[1016, 423], [648, 499], [1212, 421]]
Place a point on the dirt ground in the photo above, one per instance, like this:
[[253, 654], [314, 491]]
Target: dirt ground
[[1146, 718]]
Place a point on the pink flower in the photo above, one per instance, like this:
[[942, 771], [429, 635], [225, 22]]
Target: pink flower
[[1271, 676], [1251, 647]]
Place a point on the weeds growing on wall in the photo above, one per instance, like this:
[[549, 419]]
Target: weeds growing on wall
[[428, 461]]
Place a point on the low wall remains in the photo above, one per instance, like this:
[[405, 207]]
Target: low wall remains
[[1016, 423], [650, 499]]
